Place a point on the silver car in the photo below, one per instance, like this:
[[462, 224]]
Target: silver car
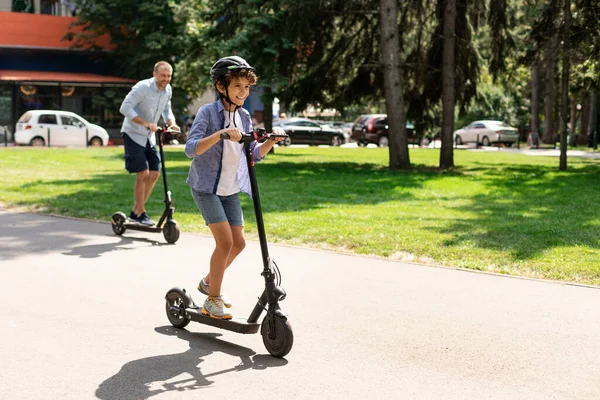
[[486, 132]]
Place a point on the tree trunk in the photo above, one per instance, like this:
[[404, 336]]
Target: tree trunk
[[448, 95], [573, 123], [535, 106], [268, 111], [585, 117], [564, 112], [550, 93], [394, 87]]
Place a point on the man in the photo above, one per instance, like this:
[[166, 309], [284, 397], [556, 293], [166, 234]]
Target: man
[[142, 108]]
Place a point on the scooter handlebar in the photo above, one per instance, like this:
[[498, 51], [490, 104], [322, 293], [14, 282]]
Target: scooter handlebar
[[259, 134]]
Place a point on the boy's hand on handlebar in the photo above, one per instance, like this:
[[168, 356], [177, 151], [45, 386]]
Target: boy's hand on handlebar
[[174, 128], [281, 134], [234, 134]]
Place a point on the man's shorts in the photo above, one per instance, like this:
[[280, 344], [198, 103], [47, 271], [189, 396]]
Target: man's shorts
[[139, 158], [215, 208]]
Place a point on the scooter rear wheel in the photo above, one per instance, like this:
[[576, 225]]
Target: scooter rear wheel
[[175, 308], [171, 231], [117, 222], [278, 337]]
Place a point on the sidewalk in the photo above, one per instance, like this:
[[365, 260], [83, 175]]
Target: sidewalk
[[84, 318]]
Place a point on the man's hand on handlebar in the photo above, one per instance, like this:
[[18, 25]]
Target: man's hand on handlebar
[[152, 127]]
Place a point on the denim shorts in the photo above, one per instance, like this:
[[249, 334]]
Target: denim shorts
[[215, 208], [138, 158]]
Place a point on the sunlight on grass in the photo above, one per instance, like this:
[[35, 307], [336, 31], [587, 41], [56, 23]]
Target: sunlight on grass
[[495, 211]]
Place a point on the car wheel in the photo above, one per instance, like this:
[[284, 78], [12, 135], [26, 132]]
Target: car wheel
[[485, 141], [458, 140], [37, 142], [383, 141], [508, 144], [336, 141], [96, 142], [361, 143], [286, 142]]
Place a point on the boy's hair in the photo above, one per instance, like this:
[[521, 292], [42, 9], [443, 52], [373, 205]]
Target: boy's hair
[[226, 79]]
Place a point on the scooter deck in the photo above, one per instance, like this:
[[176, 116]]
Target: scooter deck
[[141, 227], [236, 325]]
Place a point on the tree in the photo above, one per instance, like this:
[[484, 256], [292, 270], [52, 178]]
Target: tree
[[448, 73], [394, 88]]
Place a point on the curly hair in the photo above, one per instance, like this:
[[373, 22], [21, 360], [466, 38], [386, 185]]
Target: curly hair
[[226, 79]]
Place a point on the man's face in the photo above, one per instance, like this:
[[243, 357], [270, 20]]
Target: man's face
[[239, 90], [163, 77]]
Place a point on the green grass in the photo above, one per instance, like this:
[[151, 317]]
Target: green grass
[[496, 211]]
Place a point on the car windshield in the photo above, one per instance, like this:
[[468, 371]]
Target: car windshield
[[25, 117]]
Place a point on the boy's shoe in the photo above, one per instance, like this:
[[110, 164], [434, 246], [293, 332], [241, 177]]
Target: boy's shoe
[[204, 288], [214, 308]]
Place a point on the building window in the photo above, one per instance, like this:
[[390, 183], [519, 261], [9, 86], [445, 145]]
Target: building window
[[25, 6]]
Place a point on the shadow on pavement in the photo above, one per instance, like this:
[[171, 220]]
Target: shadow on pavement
[[151, 376], [26, 234]]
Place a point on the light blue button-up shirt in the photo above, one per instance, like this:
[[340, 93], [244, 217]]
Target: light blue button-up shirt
[[205, 170], [146, 101]]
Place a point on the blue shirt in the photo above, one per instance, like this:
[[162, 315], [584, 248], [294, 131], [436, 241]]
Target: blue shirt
[[205, 169], [149, 103]]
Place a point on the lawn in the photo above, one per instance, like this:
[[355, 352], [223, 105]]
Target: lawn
[[496, 211]]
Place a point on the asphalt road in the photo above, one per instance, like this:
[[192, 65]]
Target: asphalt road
[[83, 317]]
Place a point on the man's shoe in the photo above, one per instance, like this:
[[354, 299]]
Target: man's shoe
[[145, 220], [214, 308], [133, 217], [204, 288]]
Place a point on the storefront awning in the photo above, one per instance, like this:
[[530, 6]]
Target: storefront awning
[[60, 77]]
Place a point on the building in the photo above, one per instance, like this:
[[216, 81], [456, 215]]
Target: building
[[39, 70]]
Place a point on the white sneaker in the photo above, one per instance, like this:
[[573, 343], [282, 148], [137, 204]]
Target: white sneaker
[[204, 288], [214, 308]]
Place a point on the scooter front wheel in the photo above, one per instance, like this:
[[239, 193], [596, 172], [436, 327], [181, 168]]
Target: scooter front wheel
[[117, 221], [171, 231], [175, 308], [277, 335]]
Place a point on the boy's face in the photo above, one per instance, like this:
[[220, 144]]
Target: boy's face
[[238, 89]]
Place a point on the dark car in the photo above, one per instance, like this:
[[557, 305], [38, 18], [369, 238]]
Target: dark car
[[305, 131], [373, 128]]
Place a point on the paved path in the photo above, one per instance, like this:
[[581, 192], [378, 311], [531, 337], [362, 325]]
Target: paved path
[[83, 317]]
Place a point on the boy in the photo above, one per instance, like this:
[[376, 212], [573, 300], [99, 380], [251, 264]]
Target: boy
[[219, 171]]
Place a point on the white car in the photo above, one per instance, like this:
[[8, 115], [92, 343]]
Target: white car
[[58, 128], [486, 132]]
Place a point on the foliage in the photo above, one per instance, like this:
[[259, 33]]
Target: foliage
[[142, 32]]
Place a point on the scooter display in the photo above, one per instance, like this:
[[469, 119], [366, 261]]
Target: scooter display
[[119, 221], [275, 328]]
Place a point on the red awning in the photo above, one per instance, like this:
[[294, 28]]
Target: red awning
[[61, 77]]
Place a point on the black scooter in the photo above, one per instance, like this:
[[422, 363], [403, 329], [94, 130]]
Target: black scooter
[[275, 329], [120, 223]]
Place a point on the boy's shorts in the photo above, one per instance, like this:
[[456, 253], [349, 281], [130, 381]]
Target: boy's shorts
[[215, 208], [139, 158]]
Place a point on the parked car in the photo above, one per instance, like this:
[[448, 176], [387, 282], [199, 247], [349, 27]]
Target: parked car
[[486, 132], [373, 128], [58, 128], [306, 131]]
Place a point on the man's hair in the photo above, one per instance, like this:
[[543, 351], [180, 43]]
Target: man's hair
[[226, 79], [161, 64]]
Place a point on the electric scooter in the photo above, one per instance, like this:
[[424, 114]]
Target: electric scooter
[[120, 223], [275, 328]]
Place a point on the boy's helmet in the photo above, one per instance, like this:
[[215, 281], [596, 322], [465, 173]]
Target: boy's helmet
[[227, 64]]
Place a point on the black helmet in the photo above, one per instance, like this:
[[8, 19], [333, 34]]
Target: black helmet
[[227, 64]]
